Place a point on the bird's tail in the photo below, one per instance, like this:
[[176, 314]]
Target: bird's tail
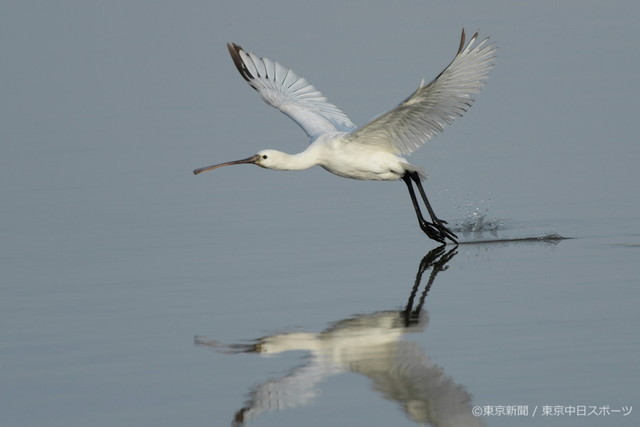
[[412, 168]]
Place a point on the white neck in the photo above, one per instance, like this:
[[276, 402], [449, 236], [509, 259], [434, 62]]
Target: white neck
[[290, 162]]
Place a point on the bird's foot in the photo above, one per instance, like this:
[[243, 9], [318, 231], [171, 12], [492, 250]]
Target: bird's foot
[[438, 231], [446, 231], [433, 232]]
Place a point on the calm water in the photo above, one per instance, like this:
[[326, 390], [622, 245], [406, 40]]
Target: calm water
[[136, 294]]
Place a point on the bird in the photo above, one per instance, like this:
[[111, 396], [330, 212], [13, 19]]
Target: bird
[[376, 150], [373, 345]]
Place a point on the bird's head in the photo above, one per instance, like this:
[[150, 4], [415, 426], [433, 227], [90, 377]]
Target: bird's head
[[269, 159]]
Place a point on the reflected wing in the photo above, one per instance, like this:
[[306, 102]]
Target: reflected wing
[[426, 112], [295, 389], [283, 89], [422, 388]]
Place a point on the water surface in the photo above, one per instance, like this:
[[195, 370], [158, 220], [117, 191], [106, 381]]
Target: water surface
[[135, 294]]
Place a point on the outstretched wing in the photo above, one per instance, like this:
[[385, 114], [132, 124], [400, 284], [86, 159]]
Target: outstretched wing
[[298, 388], [283, 89], [426, 112]]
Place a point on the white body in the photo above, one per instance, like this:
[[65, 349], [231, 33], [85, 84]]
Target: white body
[[335, 153]]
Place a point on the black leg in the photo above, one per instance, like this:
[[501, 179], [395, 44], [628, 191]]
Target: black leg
[[437, 260], [428, 228], [442, 231], [436, 221]]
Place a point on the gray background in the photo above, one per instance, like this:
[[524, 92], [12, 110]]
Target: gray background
[[114, 255]]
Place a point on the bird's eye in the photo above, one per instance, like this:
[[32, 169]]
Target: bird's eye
[[264, 156]]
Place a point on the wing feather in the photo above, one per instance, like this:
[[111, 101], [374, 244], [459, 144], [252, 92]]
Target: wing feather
[[430, 108], [283, 89]]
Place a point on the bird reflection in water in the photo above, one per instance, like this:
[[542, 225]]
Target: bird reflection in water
[[371, 345]]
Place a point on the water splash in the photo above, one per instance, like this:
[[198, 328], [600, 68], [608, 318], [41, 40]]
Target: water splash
[[477, 220]]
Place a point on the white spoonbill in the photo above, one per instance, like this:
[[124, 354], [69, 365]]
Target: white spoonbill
[[373, 151]]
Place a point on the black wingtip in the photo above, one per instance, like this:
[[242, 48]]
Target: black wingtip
[[462, 38], [234, 51]]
